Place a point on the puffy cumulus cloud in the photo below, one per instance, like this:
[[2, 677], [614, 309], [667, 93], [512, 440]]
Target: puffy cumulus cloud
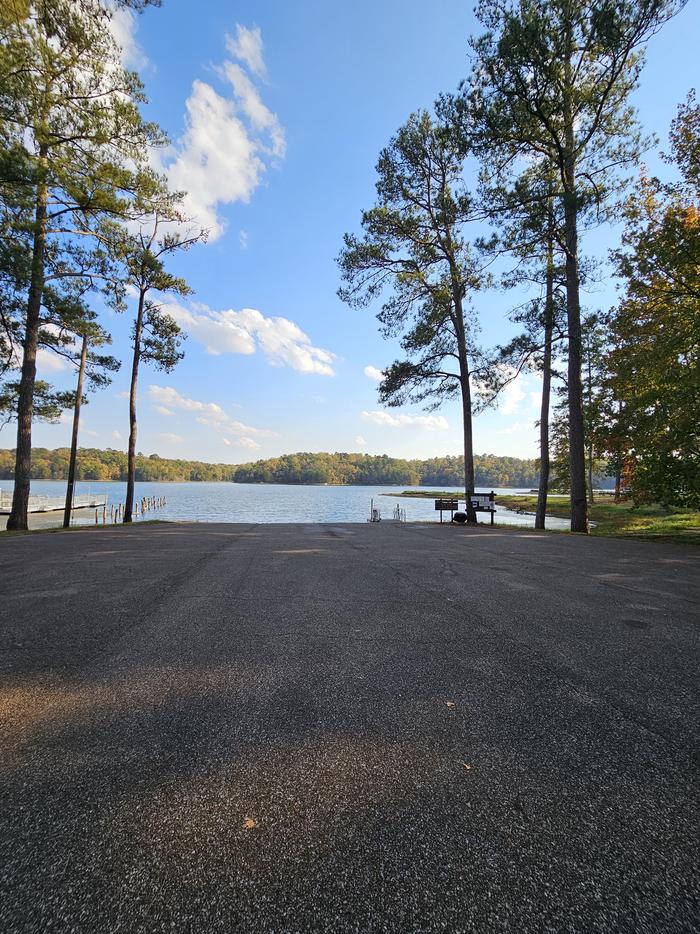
[[123, 28], [229, 137], [216, 160], [281, 341], [285, 344], [247, 47], [428, 422], [219, 331], [361, 442], [212, 415], [262, 120], [168, 437], [371, 372]]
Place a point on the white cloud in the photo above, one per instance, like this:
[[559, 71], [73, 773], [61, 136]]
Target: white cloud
[[429, 422], [219, 331], [212, 415], [512, 395], [117, 435], [169, 438], [49, 362], [371, 372], [247, 47], [261, 118], [228, 140], [248, 443], [243, 239], [89, 432], [123, 28], [361, 442], [164, 410], [124, 394], [281, 341]]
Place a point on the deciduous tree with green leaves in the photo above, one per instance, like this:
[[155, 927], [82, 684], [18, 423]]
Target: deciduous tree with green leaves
[[653, 368]]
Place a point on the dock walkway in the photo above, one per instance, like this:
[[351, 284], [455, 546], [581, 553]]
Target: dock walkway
[[41, 503]]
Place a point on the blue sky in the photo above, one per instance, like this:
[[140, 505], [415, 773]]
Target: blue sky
[[277, 112]]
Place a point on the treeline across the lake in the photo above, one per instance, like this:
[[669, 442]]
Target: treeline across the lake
[[372, 469], [95, 464], [301, 468]]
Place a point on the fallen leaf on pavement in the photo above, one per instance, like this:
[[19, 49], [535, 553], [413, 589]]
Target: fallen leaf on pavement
[[467, 766], [451, 704], [249, 823]]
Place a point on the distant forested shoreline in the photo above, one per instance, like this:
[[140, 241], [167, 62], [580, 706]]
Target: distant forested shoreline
[[302, 468]]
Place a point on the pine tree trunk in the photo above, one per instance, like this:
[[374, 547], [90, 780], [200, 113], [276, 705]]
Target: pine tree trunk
[[546, 383], [74, 439], [589, 432], [579, 518], [18, 518], [579, 514], [466, 392], [468, 448], [131, 455]]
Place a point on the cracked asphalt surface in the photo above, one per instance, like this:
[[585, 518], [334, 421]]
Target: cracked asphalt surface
[[291, 728]]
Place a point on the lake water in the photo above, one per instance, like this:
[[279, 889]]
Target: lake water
[[256, 502]]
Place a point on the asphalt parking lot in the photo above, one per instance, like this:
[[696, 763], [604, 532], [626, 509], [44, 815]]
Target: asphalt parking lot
[[360, 728]]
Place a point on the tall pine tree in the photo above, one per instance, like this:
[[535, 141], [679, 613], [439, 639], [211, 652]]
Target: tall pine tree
[[552, 80]]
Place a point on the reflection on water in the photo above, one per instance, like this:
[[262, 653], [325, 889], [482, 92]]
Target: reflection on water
[[255, 502]]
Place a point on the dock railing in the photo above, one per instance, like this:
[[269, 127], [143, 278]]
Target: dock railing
[[39, 502]]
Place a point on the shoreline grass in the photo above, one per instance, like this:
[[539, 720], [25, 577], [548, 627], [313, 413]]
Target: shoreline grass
[[617, 520], [42, 530]]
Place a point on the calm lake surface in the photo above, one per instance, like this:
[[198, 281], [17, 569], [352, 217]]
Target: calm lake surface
[[257, 502]]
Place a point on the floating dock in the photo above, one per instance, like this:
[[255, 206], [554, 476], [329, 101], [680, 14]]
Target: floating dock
[[40, 503]]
